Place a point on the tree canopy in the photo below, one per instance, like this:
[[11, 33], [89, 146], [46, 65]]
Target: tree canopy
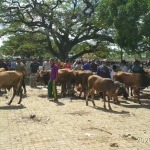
[[130, 20], [64, 22], [84, 26]]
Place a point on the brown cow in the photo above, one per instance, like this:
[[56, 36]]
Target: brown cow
[[64, 77], [12, 79], [104, 85], [81, 77], [1, 70], [135, 80]]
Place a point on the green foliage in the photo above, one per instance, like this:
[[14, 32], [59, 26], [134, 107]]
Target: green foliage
[[64, 24], [25, 45], [130, 21]]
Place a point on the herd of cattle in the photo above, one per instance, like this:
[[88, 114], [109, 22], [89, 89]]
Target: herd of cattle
[[85, 81], [88, 83]]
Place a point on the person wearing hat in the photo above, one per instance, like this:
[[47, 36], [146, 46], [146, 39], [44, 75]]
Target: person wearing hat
[[52, 91], [124, 68], [137, 68], [103, 70], [21, 68]]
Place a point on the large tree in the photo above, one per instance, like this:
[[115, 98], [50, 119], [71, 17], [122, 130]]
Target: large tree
[[64, 22], [130, 20]]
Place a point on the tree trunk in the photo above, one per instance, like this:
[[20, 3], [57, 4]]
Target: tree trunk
[[63, 55], [121, 54]]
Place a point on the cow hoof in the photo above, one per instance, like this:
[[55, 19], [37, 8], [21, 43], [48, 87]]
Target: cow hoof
[[8, 103], [110, 108]]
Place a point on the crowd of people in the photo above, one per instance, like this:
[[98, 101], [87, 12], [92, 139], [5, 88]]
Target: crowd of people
[[102, 68]]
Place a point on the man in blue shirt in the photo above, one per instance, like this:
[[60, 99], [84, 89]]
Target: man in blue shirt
[[137, 68], [103, 70], [86, 66]]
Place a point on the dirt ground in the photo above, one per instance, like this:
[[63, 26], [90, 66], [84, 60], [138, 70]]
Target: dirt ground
[[39, 124]]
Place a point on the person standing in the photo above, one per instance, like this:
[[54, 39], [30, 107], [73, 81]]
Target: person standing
[[94, 67], [124, 67], [114, 69], [21, 68], [46, 65], [34, 68], [78, 66], [28, 63], [3, 64], [52, 91], [86, 66], [67, 64], [103, 70], [137, 68], [57, 63]]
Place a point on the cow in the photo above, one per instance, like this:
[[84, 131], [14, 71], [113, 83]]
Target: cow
[[64, 77], [81, 78], [1, 70], [134, 80], [12, 79], [43, 76], [104, 85]]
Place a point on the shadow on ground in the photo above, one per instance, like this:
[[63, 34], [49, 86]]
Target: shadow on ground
[[109, 111], [12, 107], [57, 102]]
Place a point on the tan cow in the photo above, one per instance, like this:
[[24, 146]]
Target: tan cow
[[12, 79], [104, 85]]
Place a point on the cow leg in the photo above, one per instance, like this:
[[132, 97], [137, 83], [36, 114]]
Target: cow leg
[[20, 92], [104, 97], [14, 93], [138, 96], [85, 91], [109, 103], [87, 97], [80, 93], [127, 89], [64, 89], [92, 95], [131, 91]]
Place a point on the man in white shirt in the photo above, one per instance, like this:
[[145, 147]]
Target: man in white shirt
[[114, 69], [46, 65], [28, 64], [124, 67]]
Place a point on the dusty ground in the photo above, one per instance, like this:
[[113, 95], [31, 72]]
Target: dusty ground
[[67, 125]]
